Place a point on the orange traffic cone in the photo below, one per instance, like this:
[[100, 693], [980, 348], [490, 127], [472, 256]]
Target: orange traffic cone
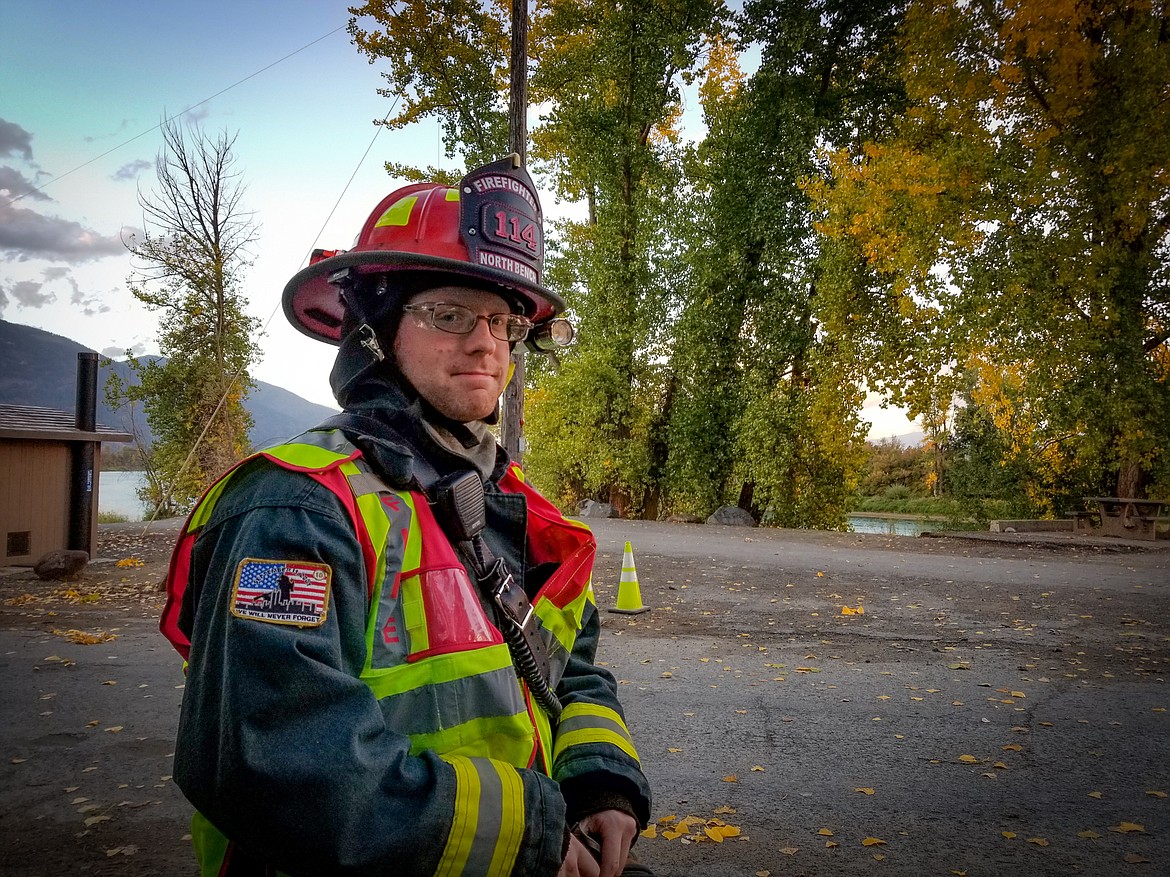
[[629, 601]]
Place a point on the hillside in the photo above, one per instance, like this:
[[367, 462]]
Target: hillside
[[40, 368]]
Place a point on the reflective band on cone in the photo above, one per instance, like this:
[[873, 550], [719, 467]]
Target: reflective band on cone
[[629, 601]]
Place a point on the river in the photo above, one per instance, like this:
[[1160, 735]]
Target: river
[[118, 495]]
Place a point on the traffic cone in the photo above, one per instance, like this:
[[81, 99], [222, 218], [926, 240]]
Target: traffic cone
[[629, 601]]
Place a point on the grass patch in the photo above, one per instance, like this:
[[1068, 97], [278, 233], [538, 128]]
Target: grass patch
[[112, 518]]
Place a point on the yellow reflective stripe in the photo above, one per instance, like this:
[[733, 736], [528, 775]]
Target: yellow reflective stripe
[[377, 524], [508, 739], [544, 729], [452, 195], [397, 213], [414, 613], [438, 669], [306, 456], [511, 834], [583, 723], [201, 514], [487, 828], [462, 834], [210, 845]]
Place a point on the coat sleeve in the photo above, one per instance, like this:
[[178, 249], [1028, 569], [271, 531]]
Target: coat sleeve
[[284, 749], [594, 758]]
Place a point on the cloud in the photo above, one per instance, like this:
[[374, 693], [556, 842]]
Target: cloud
[[28, 294], [26, 234], [14, 140], [88, 304], [119, 353], [132, 170], [3, 300], [16, 185]]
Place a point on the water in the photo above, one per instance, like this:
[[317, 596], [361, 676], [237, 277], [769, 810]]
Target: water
[[891, 526], [117, 493]]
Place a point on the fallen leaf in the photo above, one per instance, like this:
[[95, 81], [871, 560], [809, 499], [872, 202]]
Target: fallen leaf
[[1097, 795], [879, 856], [1039, 841], [94, 820], [958, 667], [714, 834], [731, 778], [825, 832], [864, 791], [1018, 694], [1128, 828], [1012, 747], [757, 767], [1089, 834], [114, 730], [673, 749], [829, 844], [650, 831], [1135, 859], [790, 851], [724, 810], [1010, 835], [968, 759], [1156, 794], [873, 842]]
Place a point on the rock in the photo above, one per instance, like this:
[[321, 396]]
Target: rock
[[732, 516], [60, 564], [588, 508]]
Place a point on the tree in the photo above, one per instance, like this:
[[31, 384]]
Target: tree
[[447, 60], [768, 389], [612, 73], [192, 256], [1022, 212]]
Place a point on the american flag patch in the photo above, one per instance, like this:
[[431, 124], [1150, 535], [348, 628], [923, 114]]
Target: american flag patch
[[282, 591]]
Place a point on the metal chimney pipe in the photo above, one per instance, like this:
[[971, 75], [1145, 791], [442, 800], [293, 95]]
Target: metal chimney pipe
[[81, 488]]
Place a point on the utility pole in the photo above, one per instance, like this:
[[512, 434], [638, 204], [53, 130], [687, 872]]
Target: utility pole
[[512, 412]]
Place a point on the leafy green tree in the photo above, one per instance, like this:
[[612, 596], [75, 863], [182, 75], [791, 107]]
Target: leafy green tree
[[191, 260], [447, 60], [1019, 223], [612, 74], [769, 390]]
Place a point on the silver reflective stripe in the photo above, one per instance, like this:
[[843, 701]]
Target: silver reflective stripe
[[441, 705], [363, 483]]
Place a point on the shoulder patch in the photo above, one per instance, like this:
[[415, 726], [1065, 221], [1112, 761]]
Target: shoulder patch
[[282, 591]]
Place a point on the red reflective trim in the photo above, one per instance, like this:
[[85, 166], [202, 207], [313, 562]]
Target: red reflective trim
[[285, 464], [334, 479], [178, 573]]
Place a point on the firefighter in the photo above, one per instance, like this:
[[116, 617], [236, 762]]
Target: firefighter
[[426, 702]]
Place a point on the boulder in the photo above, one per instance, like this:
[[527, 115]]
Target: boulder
[[60, 564], [588, 508], [732, 516]]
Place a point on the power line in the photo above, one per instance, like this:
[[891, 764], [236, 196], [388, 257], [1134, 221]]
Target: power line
[[175, 116]]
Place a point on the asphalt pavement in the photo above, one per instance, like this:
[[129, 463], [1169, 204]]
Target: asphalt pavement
[[803, 703]]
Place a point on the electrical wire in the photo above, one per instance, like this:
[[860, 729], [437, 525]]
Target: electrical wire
[[240, 370], [36, 189]]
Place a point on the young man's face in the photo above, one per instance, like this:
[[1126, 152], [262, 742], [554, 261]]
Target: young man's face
[[462, 376]]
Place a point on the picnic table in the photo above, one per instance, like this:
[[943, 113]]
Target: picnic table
[[1126, 517]]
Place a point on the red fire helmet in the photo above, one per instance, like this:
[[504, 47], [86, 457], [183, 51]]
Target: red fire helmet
[[487, 232]]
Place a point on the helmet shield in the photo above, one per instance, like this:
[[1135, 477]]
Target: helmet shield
[[487, 233]]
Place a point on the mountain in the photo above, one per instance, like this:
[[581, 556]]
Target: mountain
[[40, 368]]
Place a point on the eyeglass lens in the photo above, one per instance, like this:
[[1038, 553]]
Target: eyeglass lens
[[458, 320]]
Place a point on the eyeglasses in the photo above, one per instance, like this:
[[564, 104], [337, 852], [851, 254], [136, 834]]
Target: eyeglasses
[[459, 320]]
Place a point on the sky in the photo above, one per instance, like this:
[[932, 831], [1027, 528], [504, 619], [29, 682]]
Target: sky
[[85, 86]]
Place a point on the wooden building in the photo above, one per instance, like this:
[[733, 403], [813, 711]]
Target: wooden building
[[39, 489]]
